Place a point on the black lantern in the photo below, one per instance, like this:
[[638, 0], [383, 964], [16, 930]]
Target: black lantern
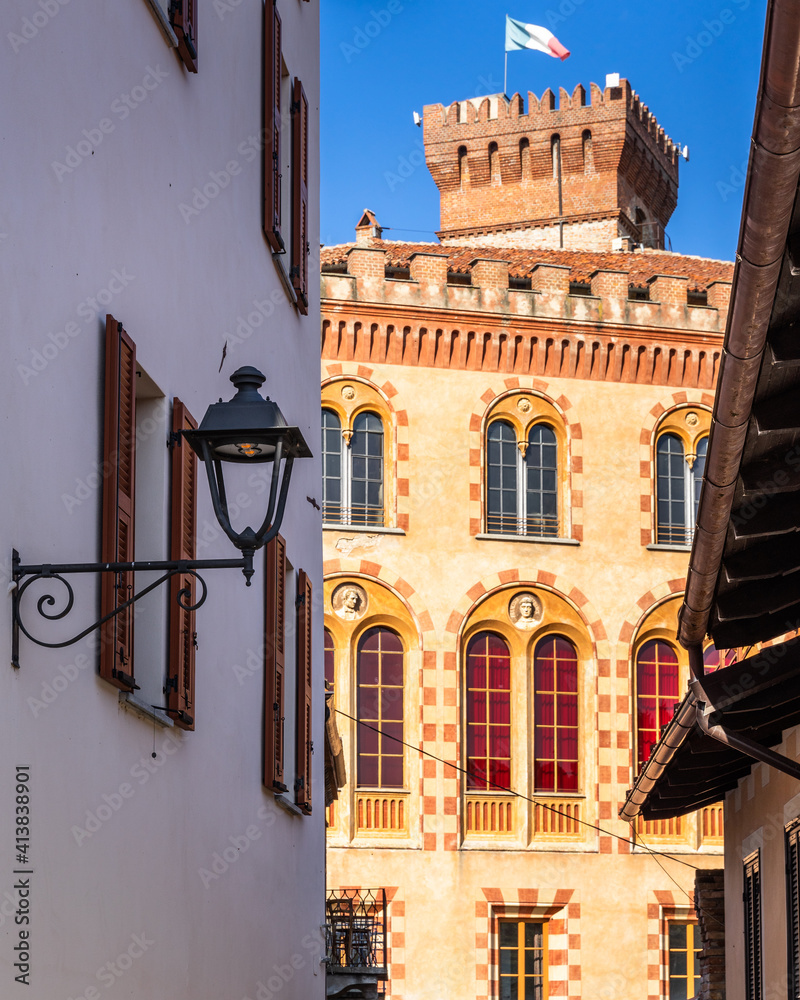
[[247, 429]]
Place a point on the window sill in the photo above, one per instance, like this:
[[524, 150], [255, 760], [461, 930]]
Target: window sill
[[163, 23], [288, 806], [142, 708], [278, 258], [537, 539], [663, 547], [375, 529]]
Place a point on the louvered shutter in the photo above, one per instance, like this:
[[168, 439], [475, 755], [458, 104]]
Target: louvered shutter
[[183, 17], [183, 538], [752, 927], [119, 466], [274, 663], [304, 732], [299, 271], [793, 906], [272, 127]]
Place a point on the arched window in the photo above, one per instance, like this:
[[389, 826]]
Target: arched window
[[714, 658], [331, 467], [379, 678], [555, 713], [555, 152], [524, 158], [329, 658], [678, 481], [352, 470], [521, 482], [488, 683], [463, 166], [494, 164], [656, 693], [588, 156]]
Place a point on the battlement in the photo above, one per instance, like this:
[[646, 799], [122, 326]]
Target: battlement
[[557, 173]]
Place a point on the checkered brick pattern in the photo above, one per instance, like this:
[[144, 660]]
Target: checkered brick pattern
[[562, 911], [647, 440], [361, 373], [395, 943], [574, 458], [663, 906]]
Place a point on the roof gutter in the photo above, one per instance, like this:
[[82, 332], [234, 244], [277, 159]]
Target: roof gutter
[[772, 180], [671, 740]]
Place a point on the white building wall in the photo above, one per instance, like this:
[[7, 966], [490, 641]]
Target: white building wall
[[81, 235]]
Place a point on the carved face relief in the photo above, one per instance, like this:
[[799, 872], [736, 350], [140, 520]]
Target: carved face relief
[[524, 405], [692, 420], [348, 393], [525, 611], [349, 602]]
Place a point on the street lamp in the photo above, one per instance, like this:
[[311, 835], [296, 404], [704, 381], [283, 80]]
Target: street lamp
[[246, 430]]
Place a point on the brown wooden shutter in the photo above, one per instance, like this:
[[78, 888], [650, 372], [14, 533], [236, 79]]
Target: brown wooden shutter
[[299, 271], [183, 539], [752, 927], [272, 127], [183, 17], [305, 746], [119, 467], [274, 663]]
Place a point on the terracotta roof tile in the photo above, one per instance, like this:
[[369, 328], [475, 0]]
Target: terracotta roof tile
[[641, 265]]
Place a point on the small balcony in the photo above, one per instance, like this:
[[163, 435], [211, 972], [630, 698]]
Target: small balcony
[[355, 925]]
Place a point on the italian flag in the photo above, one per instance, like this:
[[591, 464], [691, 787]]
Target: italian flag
[[532, 36]]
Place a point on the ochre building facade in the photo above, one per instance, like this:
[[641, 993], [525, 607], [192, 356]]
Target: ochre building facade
[[513, 431]]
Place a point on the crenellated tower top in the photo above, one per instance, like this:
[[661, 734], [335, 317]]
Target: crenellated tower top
[[568, 173]]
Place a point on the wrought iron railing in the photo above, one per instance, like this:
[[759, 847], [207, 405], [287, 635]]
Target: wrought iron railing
[[369, 515], [510, 524], [674, 534], [355, 924]]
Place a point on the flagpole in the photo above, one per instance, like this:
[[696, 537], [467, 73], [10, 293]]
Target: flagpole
[[505, 71]]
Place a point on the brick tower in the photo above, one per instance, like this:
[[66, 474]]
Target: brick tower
[[578, 175]]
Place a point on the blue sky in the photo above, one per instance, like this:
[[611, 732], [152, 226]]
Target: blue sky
[[695, 63]]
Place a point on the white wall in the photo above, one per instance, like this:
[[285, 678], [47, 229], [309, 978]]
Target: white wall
[[180, 284]]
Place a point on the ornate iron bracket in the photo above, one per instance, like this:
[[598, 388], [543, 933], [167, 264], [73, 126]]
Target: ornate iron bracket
[[23, 576]]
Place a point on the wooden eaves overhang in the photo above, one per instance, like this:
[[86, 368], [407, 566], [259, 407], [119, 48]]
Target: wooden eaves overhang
[[743, 584]]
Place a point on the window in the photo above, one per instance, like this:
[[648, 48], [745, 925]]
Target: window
[[523, 960], [752, 926], [588, 158], [463, 167], [679, 455], [379, 673], [678, 481], [353, 468], [684, 960], [181, 17], [525, 158], [555, 712], [522, 481], [656, 693], [287, 676], [714, 658], [488, 712], [793, 905], [494, 163], [330, 655], [140, 473], [285, 217]]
